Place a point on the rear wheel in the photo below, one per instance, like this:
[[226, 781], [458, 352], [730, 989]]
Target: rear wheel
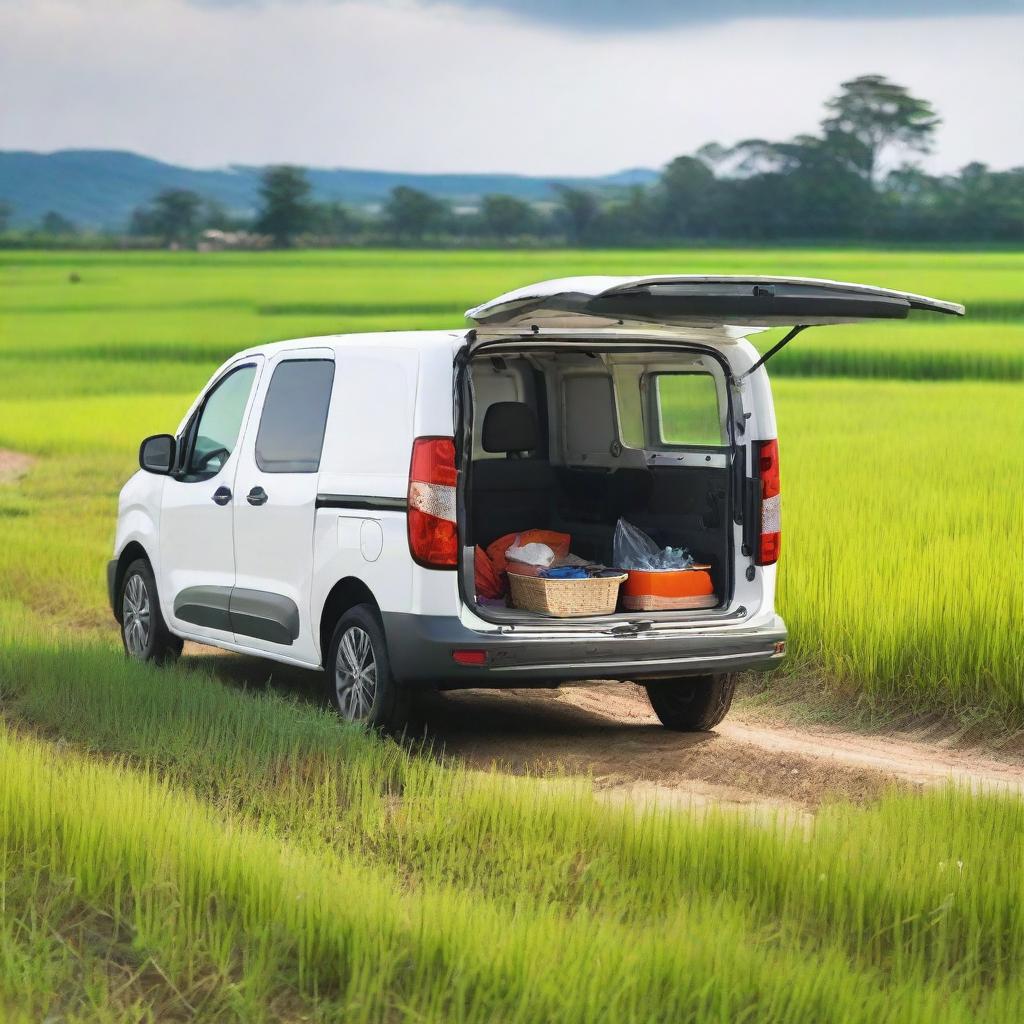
[[143, 631], [691, 703], [359, 680]]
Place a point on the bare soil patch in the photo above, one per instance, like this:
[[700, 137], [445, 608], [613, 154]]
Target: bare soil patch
[[610, 734], [14, 465]]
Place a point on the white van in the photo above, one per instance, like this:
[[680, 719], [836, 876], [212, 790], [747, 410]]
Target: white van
[[321, 501]]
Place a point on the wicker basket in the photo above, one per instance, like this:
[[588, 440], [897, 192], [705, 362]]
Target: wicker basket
[[597, 595]]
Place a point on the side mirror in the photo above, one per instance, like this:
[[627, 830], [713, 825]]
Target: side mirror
[[156, 453]]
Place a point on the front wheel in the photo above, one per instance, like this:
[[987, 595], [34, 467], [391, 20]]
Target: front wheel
[[359, 680], [691, 703], [143, 631]]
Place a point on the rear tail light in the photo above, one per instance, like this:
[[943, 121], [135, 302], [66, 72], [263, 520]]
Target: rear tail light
[[433, 535], [770, 542]]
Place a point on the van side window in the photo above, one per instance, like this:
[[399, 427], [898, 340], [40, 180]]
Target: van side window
[[216, 430], [291, 434], [686, 410]]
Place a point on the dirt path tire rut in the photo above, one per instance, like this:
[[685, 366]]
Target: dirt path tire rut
[[609, 733]]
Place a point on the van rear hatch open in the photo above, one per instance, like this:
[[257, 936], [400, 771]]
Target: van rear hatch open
[[582, 358], [699, 301]]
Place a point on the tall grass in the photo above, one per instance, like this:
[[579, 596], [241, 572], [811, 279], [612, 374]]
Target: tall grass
[[202, 308], [346, 871], [903, 509]]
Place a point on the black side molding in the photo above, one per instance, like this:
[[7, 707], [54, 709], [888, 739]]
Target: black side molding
[[255, 613], [263, 615], [362, 502], [204, 606]]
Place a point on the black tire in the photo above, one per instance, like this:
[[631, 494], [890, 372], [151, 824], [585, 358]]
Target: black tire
[[358, 640], [144, 633], [691, 703]]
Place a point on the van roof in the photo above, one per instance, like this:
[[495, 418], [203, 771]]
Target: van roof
[[443, 339]]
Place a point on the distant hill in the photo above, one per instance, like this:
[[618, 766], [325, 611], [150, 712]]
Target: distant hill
[[100, 188]]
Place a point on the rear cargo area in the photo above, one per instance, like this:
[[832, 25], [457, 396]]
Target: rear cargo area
[[572, 440]]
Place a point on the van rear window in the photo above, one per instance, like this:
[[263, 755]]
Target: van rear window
[[686, 410]]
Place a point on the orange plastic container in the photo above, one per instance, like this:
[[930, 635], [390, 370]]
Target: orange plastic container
[[669, 589]]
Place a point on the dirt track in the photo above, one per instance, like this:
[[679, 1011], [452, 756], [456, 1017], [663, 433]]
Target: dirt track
[[609, 733], [14, 465]]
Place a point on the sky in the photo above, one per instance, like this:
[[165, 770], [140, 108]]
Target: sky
[[560, 87]]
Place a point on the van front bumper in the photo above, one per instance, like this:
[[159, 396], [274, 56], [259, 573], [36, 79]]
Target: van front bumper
[[421, 649]]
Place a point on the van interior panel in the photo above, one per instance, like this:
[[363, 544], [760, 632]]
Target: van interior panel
[[572, 441]]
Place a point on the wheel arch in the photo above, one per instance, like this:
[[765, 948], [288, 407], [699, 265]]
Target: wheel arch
[[132, 551], [345, 594]]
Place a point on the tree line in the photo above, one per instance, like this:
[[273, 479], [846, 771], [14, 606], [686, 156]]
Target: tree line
[[854, 180]]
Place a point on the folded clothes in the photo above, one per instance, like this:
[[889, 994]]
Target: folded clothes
[[564, 572]]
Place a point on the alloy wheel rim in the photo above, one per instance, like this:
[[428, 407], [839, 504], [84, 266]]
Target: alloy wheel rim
[[355, 674], [137, 616]]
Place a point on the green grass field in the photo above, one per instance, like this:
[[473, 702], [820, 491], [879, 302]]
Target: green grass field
[[188, 851], [174, 849]]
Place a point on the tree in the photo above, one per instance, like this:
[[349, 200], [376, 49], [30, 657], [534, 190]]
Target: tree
[[175, 215], [632, 220], [871, 115], [507, 217], [796, 189], [413, 213], [579, 211], [56, 224], [286, 209], [689, 197], [332, 219], [6, 210]]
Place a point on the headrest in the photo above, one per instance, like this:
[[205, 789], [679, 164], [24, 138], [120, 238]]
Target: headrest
[[509, 427]]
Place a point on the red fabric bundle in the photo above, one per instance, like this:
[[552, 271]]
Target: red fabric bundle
[[489, 583], [558, 542]]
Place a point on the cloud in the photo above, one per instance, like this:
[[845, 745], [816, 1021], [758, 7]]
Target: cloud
[[651, 15], [596, 15], [440, 87]]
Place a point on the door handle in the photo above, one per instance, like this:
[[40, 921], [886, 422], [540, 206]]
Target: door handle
[[222, 495], [257, 496]]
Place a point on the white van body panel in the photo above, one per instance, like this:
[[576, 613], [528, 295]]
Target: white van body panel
[[138, 515], [196, 538], [388, 389], [285, 566]]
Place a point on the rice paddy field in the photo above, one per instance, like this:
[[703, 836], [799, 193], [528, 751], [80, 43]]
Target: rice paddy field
[[174, 849]]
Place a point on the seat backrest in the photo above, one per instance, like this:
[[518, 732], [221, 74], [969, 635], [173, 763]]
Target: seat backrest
[[509, 427], [510, 494]]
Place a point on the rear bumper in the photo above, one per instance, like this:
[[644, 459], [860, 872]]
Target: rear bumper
[[420, 649]]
